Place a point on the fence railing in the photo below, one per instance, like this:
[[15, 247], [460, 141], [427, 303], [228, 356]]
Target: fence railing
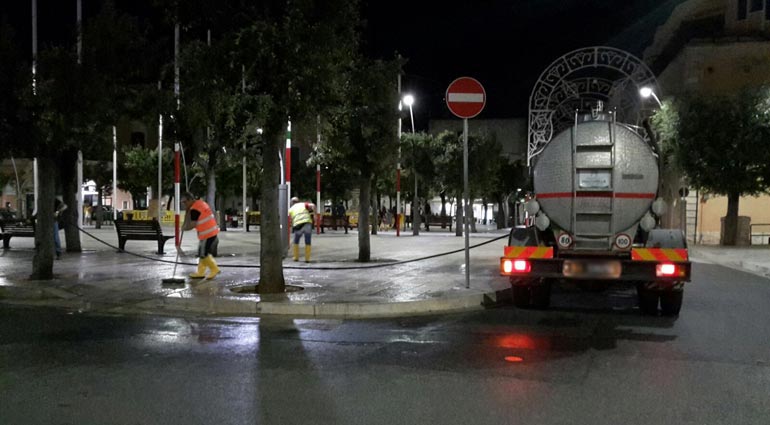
[[760, 233]]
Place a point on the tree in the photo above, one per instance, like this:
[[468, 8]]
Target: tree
[[363, 133], [721, 143], [294, 53]]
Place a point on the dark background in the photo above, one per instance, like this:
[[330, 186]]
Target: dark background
[[503, 44]]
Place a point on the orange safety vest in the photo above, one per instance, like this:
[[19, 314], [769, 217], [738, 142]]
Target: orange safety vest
[[206, 224]]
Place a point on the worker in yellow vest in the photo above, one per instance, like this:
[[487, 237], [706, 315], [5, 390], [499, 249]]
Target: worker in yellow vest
[[200, 217], [301, 214]]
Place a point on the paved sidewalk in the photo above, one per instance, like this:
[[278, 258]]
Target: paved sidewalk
[[334, 284]]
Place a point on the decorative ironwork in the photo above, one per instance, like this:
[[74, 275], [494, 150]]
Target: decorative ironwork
[[577, 81]]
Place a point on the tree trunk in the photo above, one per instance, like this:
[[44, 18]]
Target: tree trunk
[[70, 190], [731, 219], [271, 280], [501, 216], [471, 217], [459, 227], [42, 260], [375, 206], [364, 248], [99, 205], [443, 204]]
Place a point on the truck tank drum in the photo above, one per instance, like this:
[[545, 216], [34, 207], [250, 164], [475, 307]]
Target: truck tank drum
[[596, 179]]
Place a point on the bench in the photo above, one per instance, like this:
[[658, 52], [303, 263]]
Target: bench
[[16, 228], [141, 230], [440, 221], [334, 222], [252, 219]]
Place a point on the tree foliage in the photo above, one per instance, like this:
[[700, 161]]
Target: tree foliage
[[721, 143]]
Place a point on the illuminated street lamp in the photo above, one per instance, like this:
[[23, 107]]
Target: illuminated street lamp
[[409, 101], [646, 92]]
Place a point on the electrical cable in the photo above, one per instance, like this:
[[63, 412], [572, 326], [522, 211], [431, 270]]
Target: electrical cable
[[256, 266]]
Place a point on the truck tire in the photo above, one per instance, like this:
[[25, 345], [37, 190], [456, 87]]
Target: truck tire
[[671, 302], [648, 299]]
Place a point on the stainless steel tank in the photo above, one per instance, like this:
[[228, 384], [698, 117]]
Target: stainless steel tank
[[596, 179]]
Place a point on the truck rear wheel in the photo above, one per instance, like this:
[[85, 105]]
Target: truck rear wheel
[[648, 299], [671, 302]]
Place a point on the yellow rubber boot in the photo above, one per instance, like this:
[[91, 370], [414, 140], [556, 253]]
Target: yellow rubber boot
[[296, 252], [201, 273], [212, 264], [307, 253]]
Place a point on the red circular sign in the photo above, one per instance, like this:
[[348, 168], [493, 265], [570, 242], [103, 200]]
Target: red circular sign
[[466, 97]]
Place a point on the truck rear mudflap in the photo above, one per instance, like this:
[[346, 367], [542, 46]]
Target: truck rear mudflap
[[643, 264]]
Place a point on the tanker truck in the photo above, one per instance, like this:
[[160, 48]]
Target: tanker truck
[[595, 217]]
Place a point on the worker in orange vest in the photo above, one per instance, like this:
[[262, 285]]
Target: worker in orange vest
[[200, 217]]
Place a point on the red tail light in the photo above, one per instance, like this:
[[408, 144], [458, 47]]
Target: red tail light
[[666, 270], [511, 266], [522, 266]]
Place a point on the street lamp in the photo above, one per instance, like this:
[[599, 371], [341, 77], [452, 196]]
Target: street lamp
[[409, 101], [646, 92]]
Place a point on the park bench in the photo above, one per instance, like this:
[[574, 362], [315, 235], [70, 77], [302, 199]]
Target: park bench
[[440, 221], [327, 220], [142, 230], [252, 219], [17, 228]]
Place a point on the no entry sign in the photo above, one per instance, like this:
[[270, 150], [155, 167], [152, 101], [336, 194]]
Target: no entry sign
[[466, 97]]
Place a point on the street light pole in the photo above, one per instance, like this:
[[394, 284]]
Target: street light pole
[[398, 165], [409, 101]]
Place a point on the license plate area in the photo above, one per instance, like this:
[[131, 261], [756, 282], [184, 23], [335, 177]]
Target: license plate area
[[592, 269]]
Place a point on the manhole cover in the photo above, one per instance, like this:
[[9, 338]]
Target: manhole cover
[[254, 289]]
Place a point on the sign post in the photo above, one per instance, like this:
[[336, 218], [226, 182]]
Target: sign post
[[466, 98]]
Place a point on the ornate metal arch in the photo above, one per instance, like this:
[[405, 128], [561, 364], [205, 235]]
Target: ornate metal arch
[[580, 79]]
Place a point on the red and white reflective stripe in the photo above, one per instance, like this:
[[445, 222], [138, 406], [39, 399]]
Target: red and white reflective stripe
[[659, 254], [528, 252]]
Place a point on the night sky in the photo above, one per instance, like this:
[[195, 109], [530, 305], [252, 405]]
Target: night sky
[[503, 44]]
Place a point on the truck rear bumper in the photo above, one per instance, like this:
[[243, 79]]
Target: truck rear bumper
[[630, 270]]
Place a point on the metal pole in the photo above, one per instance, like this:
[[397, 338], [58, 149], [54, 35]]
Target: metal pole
[[318, 178], [34, 57], [160, 162], [79, 14], [114, 173], [467, 202], [79, 23], [80, 187], [18, 189], [398, 164], [34, 92], [288, 178], [243, 165], [177, 194], [416, 202]]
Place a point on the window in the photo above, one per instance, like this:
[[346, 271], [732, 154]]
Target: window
[[742, 9], [756, 5], [767, 9], [125, 205]]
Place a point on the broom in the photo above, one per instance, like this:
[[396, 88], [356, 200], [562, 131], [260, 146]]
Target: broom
[[173, 279]]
